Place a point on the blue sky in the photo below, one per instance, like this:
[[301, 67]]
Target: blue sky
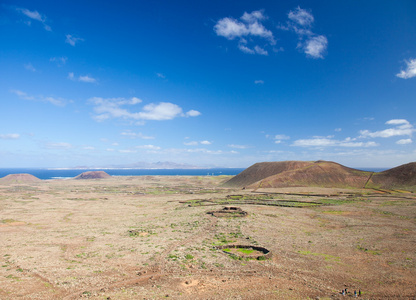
[[207, 83]]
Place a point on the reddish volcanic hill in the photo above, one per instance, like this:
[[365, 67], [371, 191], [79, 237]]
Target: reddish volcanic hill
[[262, 170], [401, 177], [19, 179], [322, 174], [93, 175]]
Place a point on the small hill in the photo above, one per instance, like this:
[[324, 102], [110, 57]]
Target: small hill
[[401, 177], [318, 174], [262, 170], [19, 179], [93, 175]]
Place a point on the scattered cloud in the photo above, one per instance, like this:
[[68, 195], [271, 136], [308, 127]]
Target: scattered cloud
[[206, 143], [258, 82], [160, 75], [315, 46], [404, 142], [238, 146], [81, 78], [410, 70], [149, 147], [192, 113], [34, 16], [72, 40], [328, 142], [60, 61], [300, 22], [134, 135], [22, 95], [193, 143], [30, 67], [402, 127], [61, 145], [249, 25], [89, 148], [52, 100], [112, 108], [10, 136], [301, 17]]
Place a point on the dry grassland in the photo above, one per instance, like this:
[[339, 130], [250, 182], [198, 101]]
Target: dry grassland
[[139, 238]]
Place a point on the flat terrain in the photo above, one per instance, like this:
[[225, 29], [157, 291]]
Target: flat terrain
[[150, 237]]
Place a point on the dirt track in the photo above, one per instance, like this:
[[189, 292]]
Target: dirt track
[[70, 239]]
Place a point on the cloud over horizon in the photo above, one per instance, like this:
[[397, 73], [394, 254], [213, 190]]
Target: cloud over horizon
[[106, 108]]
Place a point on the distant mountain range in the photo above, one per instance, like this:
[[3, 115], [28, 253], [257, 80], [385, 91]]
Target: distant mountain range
[[144, 165]]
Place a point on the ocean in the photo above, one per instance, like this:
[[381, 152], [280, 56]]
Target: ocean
[[70, 173]]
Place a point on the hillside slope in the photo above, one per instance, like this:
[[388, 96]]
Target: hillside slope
[[262, 170], [19, 179], [401, 177]]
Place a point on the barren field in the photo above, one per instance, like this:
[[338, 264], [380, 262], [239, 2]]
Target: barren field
[[150, 237]]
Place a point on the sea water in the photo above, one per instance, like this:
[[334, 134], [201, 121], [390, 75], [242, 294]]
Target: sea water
[[70, 173]]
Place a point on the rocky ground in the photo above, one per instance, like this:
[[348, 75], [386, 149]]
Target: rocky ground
[[150, 237]]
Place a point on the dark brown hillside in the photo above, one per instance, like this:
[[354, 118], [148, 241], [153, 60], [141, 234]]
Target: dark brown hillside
[[262, 170], [93, 175], [401, 177], [320, 174]]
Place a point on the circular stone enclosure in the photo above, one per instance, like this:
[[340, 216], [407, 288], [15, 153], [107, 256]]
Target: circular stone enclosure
[[228, 212], [246, 251]]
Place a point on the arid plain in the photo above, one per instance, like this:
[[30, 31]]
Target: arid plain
[[150, 237]]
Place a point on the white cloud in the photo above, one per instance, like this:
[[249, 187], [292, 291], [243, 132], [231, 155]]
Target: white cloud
[[301, 17], [22, 95], [300, 22], [127, 151], [403, 127], [206, 143], [249, 26], [89, 148], [72, 40], [193, 113], [281, 137], [34, 15], [148, 147], [160, 75], [315, 46], [404, 142], [10, 136], [60, 61], [139, 135], [111, 108], [60, 145], [327, 142], [161, 111], [260, 50], [52, 100], [30, 67], [410, 70], [87, 78], [238, 146], [258, 82], [81, 78], [193, 143]]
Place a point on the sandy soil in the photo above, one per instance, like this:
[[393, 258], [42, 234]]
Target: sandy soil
[[135, 238]]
